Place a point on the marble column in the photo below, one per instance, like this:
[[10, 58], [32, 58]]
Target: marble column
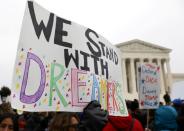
[[169, 77], [141, 61], [164, 76], [124, 75], [149, 60], [132, 74], [162, 90]]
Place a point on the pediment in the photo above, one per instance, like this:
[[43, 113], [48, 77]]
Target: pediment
[[141, 46]]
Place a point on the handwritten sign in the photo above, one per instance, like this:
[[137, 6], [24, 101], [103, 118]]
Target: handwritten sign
[[149, 86], [62, 66]]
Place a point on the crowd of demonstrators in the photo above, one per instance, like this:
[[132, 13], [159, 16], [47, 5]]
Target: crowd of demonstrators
[[168, 117]]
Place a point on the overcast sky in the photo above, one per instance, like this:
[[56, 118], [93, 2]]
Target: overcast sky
[[157, 21]]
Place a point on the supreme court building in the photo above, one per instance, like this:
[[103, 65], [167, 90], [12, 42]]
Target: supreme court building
[[138, 51]]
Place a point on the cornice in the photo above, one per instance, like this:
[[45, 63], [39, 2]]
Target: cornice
[[141, 46]]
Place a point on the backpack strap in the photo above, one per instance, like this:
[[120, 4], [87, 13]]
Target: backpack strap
[[132, 124]]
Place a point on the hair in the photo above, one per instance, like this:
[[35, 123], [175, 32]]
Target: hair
[[5, 91], [62, 121], [128, 104], [6, 108], [167, 98], [12, 117], [134, 105]]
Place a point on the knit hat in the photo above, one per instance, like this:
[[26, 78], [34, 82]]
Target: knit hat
[[165, 118], [177, 102]]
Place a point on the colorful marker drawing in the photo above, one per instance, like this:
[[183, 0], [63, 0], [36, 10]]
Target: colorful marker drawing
[[62, 66]]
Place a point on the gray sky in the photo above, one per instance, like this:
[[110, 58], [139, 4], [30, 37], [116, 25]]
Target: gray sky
[[157, 21]]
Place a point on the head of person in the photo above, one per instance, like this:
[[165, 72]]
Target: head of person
[[161, 103], [8, 122], [4, 93], [65, 121], [129, 106], [134, 105], [165, 118], [167, 98], [177, 103]]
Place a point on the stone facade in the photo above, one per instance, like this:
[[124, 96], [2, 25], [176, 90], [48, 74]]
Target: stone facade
[[138, 51]]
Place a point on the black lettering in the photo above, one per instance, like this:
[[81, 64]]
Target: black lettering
[[95, 63], [59, 32], [85, 56], [38, 28], [115, 58], [68, 57], [102, 47], [107, 53], [104, 67], [98, 52], [111, 54]]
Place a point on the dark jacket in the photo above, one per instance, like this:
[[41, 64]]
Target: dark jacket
[[94, 118]]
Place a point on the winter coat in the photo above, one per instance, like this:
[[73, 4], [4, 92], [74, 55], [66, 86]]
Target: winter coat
[[94, 118], [117, 123]]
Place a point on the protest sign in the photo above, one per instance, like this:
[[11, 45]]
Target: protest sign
[[149, 86], [62, 66]]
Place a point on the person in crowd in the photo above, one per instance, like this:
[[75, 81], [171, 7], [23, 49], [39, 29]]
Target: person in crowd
[[97, 119], [37, 121], [65, 121], [117, 123], [178, 105], [167, 98], [6, 108], [8, 122], [94, 118], [32, 122], [22, 119], [45, 118], [150, 126], [161, 103], [137, 113], [165, 119], [180, 118], [4, 93]]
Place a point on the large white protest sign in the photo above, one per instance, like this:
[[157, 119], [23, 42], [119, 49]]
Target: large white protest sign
[[62, 66], [149, 86]]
